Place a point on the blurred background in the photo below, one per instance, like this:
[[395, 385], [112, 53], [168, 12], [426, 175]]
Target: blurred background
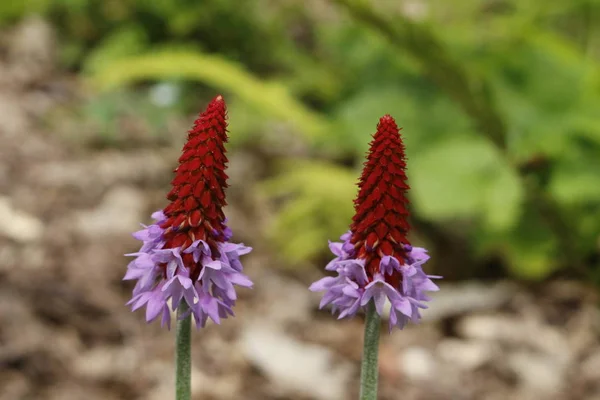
[[499, 104]]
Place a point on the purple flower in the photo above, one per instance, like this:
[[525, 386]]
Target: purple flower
[[186, 256], [164, 281], [352, 288], [374, 261]]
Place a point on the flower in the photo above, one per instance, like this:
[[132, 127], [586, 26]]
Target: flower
[[374, 260], [186, 254]]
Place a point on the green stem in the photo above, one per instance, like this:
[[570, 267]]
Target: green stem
[[370, 367], [183, 363]]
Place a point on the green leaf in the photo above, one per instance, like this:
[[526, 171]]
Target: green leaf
[[124, 42], [503, 199], [423, 118], [532, 129], [464, 177], [18, 9], [359, 115], [575, 180], [531, 248]]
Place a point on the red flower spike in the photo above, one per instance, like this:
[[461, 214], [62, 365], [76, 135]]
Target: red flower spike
[[380, 225], [198, 193], [374, 260]]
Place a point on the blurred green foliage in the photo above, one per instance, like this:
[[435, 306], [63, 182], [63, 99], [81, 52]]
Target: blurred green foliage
[[274, 100], [498, 100], [318, 210]]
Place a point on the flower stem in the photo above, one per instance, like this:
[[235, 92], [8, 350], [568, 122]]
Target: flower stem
[[370, 367], [183, 364]]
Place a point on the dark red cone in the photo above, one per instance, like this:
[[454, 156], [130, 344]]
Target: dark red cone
[[198, 193], [380, 225]]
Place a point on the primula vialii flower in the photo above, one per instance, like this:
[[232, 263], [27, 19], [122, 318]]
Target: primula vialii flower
[[375, 260], [186, 254]]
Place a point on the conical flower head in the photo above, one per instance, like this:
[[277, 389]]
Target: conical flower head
[[375, 261], [186, 254], [380, 225], [198, 193]]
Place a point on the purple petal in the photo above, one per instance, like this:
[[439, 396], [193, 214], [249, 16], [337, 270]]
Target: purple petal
[[240, 280], [158, 216], [134, 273], [404, 306], [348, 248], [139, 300], [211, 307], [327, 298], [154, 307], [166, 318], [216, 265], [322, 284], [336, 248], [388, 264], [429, 286], [333, 265]]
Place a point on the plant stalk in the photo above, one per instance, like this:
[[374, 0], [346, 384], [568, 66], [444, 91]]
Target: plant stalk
[[370, 367], [183, 363]]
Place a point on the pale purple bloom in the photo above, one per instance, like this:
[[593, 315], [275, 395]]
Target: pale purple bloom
[[162, 277], [352, 289]]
